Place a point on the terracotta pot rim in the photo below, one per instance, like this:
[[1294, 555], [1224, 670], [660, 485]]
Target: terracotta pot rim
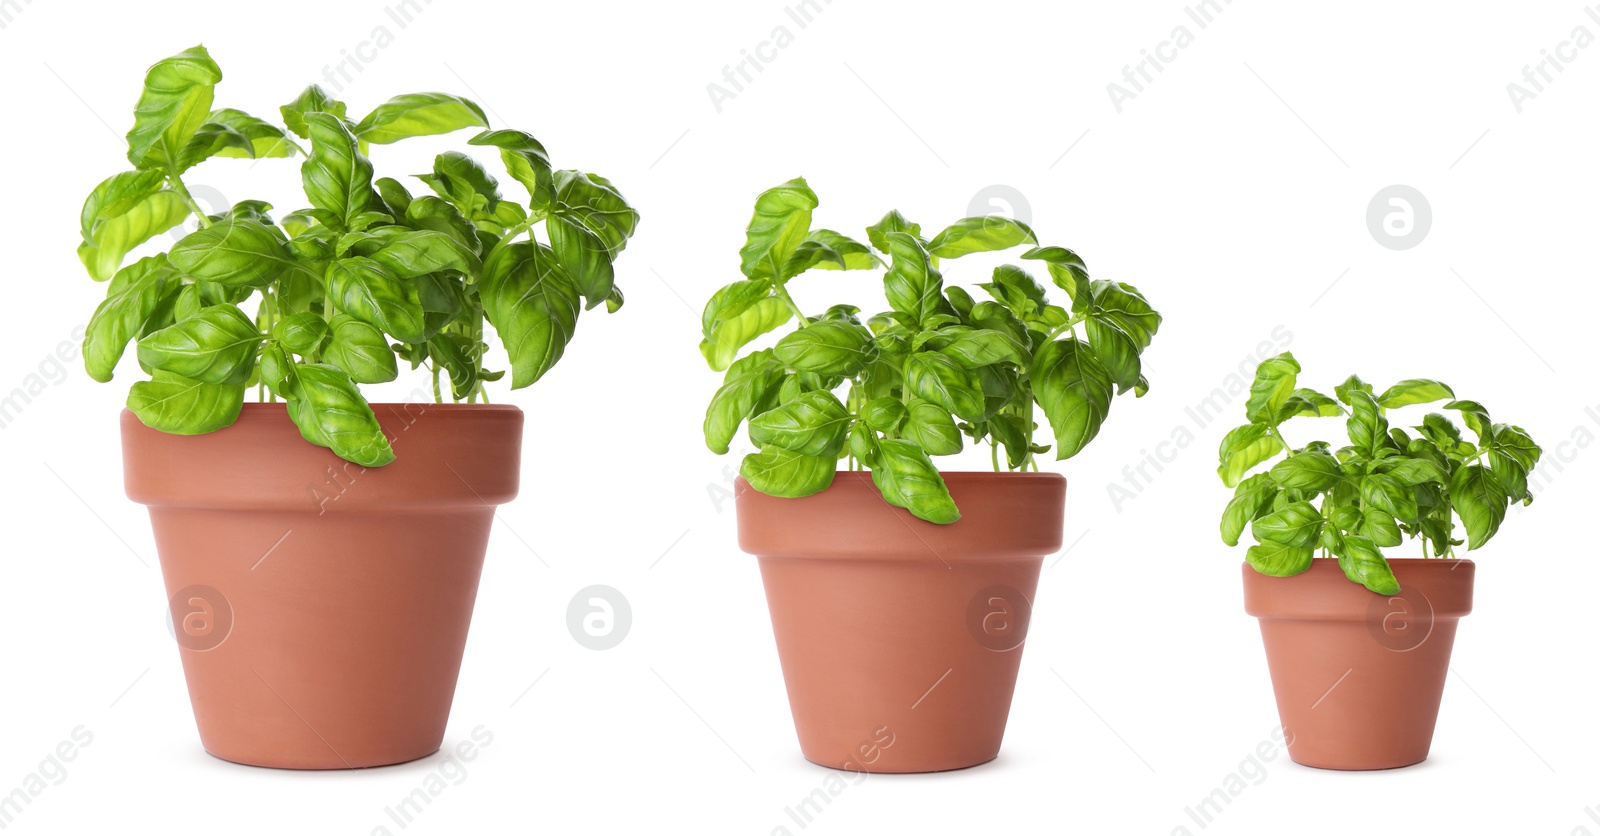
[[1323, 593]]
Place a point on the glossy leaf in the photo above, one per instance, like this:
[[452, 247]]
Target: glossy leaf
[[940, 380], [360, 350], [813, 424], [1364, 564], [908, 479], [236, 252], [133, 295], [331, 412], [1074, 389], [526, 161], [1273, 384], [779, 472], [1308, 471], [913, 285], [336, 176], [1296, 524], [175, 404], [830, 347], [366, 290], [1414, 391], [1250, 501], [1480, 499], [1279, 560], [311, 100], [1242, 449], [174, 104], [931, 428], [980, 234], [419, 114], [113, 236], [216, 345], [533, 305]]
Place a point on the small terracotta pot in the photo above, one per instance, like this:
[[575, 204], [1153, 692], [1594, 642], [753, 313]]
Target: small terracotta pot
[[321, 608], [1359, 676], [900, 639]]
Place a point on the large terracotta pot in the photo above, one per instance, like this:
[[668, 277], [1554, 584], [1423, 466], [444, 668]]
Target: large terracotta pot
[[900, 639], [1359, 676], [321, 608]]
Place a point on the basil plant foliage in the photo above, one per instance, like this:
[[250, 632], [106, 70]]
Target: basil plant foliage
[[1384, 485], [935, 371], [363, 277]]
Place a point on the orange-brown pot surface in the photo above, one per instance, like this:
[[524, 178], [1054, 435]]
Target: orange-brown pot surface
[[1359, 676], [900, 639], [321, 608]]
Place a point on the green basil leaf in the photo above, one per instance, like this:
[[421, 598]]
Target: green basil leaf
[[1379, 527], [1243, 448], [419, 114], [908, 479], [1369, 430], [218, 345], [366, 290], [883, 414], [1116, 350], [829, 347], [1309, 402], [592, 201], [1364, 564], [431, 213], [115, 196], [729, 333], [1414, 391], [1068, 272], [940, 380], [1296, 524], [1385, 493], [455, 353], [526, 161], [174, 104], [1273, 384], [1308, 471], [1410, 472], [1122, 305], [174, 404], [779, 472], [336, 176], [980, 234], [237, 252], [813, 424], [1351, 384], [113, 237], [1475, 416], [1279, 560], [913, 285], [745, 385], [825, 249], [409, 253], [360, 350], [1250, 501], [1074, 389], [533, 305], [464, 182], [311, 100], [331, 412], [1015, 288], [302, 333], [781, 221], [931, 428], [134, 294], [976, 347], [893, 221], [1480, 498], [584, 256]]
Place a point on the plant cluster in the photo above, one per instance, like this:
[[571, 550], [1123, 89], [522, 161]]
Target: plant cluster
[[1385, 485], [366, 274], [937, 367]]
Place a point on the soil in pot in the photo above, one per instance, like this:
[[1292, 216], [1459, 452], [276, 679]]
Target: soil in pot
[[900, 639], [1359, 676], [321, 608]]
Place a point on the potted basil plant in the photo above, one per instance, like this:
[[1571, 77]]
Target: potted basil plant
[[322, 554], [900, 596], [1358, 643]]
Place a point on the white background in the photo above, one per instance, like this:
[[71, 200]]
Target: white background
[[1233, 191]]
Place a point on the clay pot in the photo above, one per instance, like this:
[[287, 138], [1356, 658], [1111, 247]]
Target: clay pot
[[1359, 676], [321, 608], [900, 639]]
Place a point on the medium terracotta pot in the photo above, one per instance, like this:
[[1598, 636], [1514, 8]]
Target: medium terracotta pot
[[900, 639], [1359, 676], [321, 608]]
